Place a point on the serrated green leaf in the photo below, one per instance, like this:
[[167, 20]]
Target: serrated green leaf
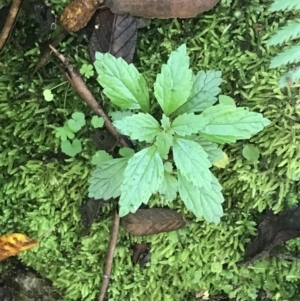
[[107, 178], [122, 82], [289, 56], [226, 100], [126, 152], [187, 124], [71, 148], [278, 5], [173, 85], [202, 201], [97, 122], [100, 156], [169, 187], [192, 161], [143, 176], [251, 153], [206, 86], [212, 149], [288, 32], [221, 139], [142, 127], [228, 124], [164, 141], [118, 115]]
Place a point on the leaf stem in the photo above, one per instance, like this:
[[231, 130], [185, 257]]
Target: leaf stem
[[57, 86]]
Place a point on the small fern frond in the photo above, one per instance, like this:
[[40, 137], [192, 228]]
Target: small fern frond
[[291, 55], [289, 78], [288, 32], [286, 5]]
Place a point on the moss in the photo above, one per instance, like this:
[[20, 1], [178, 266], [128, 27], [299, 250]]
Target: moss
[[42, 190]]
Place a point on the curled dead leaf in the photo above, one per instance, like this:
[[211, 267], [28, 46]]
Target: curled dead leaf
[[152, 221], [14, 243]]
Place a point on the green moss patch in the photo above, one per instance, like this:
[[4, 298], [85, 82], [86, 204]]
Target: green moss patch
[[42, 188]]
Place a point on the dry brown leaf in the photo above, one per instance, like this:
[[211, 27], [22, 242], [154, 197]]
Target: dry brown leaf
[[102, 25], [114, 34], [162, 9], [78, 13], [152, 221], [14, 243]]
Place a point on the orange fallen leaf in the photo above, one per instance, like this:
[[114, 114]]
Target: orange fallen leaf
[[14, 243]]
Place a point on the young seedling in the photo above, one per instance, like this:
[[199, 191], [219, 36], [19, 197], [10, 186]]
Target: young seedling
[[174, 153], [48, 92], [67, 133]]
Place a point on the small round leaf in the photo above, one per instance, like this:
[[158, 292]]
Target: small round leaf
[[48, 95]]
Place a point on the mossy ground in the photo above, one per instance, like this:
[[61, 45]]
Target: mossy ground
[[41, 189]]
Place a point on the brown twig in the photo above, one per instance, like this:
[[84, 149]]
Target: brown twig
[[9, 23], [78, 84], [47, 52], [110, 256], [80, 87]]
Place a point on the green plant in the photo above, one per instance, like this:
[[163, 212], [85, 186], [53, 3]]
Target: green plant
[[66, 133], [286, 33], [87, 70], [174, 155], [183, 261], [47, 93]]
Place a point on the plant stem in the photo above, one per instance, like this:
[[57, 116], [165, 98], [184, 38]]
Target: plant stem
[[57, 86]]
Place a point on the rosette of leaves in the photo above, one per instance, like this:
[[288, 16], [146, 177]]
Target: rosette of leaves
[[175, 151], [290, 31]]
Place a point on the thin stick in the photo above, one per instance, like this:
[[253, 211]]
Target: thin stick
[[47, 52], [110, 255], [79, 85], [10, 21]]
